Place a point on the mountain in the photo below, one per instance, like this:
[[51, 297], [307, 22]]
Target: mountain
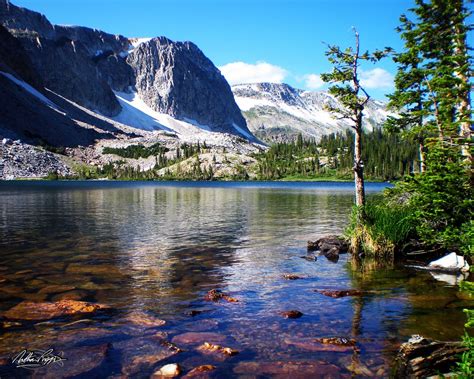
[[178, 89], [176, 78], [279, 112], [28, 111]]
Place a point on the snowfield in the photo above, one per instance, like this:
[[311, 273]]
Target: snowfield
[[32, 91], [136, 114]]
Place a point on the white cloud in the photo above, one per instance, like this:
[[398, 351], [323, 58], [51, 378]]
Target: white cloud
[[241, 73], [313, 81], [378, 78]]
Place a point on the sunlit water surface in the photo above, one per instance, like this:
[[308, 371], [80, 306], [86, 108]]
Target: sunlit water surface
[[159, 247]]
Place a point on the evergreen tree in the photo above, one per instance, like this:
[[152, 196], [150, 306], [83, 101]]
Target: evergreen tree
[[353, 97], [432, 83]]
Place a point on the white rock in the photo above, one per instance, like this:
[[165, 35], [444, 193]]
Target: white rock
[[168, 371], [450, 263], [415, 338], [6, 141]]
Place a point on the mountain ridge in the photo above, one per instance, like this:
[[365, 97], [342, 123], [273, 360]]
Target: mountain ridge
[[88, 65], [277, 112]]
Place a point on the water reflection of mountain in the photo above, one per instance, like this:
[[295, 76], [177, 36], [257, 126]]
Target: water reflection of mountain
[[166, 242]]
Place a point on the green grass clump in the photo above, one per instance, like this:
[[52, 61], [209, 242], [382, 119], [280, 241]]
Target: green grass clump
[[384, 227], [394, 223]]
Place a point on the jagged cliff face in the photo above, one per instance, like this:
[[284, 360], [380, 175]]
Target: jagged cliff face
[[63, 63], [279, 112], [87, 65], [178, 79]]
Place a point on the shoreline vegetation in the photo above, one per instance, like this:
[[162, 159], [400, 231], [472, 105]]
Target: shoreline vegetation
[[428, 214], [301, 160]]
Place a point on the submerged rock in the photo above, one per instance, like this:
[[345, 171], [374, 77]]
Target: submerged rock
[[291, 277], [289, 369], [143, 319], [292, 314], [79, 361], [141, 354], [71, 295], [194, 312], [32, 311], [195, 338], [202, 325], [216, 295], [200, 371], [168, 371], [310, 257], [450, 263], [56, 288], [340, 293], [337, 344], [209, 347]]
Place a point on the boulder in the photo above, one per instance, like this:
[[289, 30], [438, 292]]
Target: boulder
[[325, 244], [421, 357], [450, 263]]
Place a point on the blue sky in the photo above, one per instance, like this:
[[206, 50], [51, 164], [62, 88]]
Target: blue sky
[[250, 40]]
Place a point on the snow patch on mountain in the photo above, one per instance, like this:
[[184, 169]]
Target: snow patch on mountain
[[246, 104], [32, 91], [136, 114], [276, 112]]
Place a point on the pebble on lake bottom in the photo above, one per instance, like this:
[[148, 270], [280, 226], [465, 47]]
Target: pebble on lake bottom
[[168, 371], [217, 348]]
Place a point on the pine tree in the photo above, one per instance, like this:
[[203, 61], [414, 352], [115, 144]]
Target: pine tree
[[432, 83], [436, 56], [353, 97], [410, 91]]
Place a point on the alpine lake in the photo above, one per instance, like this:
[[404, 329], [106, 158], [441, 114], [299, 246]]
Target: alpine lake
[[150, 252]]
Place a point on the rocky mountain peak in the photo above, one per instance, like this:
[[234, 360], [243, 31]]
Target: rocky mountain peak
[[278, 92], [178, 79], [22, 20]]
